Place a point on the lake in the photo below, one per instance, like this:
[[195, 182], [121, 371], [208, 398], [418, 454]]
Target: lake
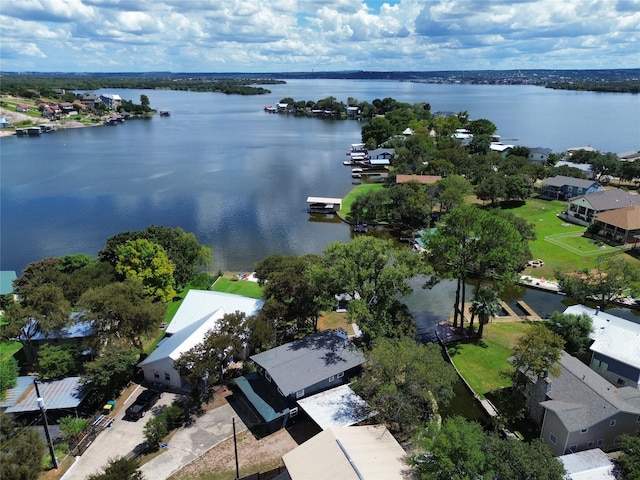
[[238, 177]]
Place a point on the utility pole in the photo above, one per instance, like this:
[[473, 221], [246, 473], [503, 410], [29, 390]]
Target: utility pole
[[43, 409], [235, 448]]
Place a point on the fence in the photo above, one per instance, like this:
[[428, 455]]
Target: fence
[[269, 475]]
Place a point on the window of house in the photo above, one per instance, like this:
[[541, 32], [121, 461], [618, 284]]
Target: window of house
[[553, 439], [293, 412], [584, 430], [340, 375], [599, 442], [590, 444], [573, 448], [621, 381], [331, 378], [300, 393], [612, 423], [267, 376], [156, 374], [167, 376]]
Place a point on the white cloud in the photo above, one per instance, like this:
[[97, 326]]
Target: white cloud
[[296, 35]]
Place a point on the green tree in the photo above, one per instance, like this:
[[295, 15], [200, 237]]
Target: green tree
[[119, 468], [155, 430], [375, 274], [45, 271], [575, 330], [509, 458], [74, 262], [405, 382], [451, 192], [376, 132], [9, 372], [538, 352], [148, 262], [204, 365], [492, 187], [630, 171], [21, 450], [71, 427], [480, 144], [628, 464], [291, 298], [612, 276], [452, 452], [57, 361], [121, 311], [110, 371], [482, 126], [485, 305]]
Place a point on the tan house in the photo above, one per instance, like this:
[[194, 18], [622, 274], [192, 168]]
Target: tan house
[[622, 225]]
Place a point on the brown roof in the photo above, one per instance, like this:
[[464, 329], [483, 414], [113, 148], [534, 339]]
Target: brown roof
[[424, 179], [627, 218]]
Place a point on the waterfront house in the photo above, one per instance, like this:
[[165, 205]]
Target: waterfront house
[[501, 148], [90, 100], [539, 155], [296, 370], [382, 154], [583, 209], [565, 188], [615, 351], [572, 150], [23, 107], [367, 452], [580, 410], [4, 122], [111, 100], [631, 156], [621, 225]]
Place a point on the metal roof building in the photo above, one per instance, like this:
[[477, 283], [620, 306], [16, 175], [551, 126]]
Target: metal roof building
[[66, 393]]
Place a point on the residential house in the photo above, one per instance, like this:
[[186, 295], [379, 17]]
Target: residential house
[[584, 208], [615, 348], [588, 465], [621, 225], [67, 108], [200, 312], [296, 370], [382, 154], [565, 188], [631, 156], [349, 453], [580, 410], [501, 148], [585, 168], [353, 111], [111, 100], [539, 155], [23, 107], [90, 100], [572, 150], [4, 122]]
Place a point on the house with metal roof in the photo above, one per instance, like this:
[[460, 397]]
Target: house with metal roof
[[615, 348], [296, 370], [588, 465], [564, 188], [360, 453], [201, 304], [621, 225], [580, 410], [65, 394], [584, 208], [159, 367]]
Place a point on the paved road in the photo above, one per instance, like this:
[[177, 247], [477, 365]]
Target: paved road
[[117, 440], [190, 442]]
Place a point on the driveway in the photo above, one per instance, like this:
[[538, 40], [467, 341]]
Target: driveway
[[119, 439], [192, 441]]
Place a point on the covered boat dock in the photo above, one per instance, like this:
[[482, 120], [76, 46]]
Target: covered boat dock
[[324, 204]]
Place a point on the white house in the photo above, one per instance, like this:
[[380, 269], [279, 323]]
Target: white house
[[200, 312]]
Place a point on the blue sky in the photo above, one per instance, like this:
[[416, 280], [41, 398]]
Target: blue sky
[[305, 35]]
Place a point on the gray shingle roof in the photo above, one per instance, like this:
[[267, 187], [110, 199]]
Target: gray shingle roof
[[581, 398], [611, 199], [561, 180], [310, 360]]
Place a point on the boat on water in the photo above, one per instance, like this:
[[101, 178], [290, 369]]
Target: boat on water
[[165, 113], [356, 172]]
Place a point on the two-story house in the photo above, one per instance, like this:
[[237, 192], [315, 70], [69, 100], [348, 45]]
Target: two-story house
[[579, 409], [584, 208], [564, 188]]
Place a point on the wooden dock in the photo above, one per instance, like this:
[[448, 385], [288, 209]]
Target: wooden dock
[[530, 314]]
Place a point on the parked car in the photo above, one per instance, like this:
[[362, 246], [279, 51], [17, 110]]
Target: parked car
[[144, 402]]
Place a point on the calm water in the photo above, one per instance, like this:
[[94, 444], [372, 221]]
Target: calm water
[[239, 178]]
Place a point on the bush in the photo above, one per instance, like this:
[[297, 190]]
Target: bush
[[8, 374], [57, 361], [159, 426]]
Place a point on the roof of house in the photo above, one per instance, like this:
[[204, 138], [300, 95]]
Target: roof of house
[[613, 336], [543, 150], [57, 394], [609, 199], [591, 464], [338, 407], [626, 218], [499, 147], [6, 281], [562, 180], [13, 394], [359, 453], [200, 304], [580, 397], [630, 156], [424, 179], [305, 362], [185, 339], [77, 329]]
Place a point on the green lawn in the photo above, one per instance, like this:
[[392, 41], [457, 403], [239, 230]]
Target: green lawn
[[345, 209], [559, 244], [239, 287], [8, 349], [480, 362]]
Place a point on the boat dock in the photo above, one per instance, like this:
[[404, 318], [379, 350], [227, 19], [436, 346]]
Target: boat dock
[[323, 204]]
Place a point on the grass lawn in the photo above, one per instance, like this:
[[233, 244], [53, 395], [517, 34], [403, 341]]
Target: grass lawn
[[345, 209], [239, 287], [8, 349], [559, 244], [481, 361]]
